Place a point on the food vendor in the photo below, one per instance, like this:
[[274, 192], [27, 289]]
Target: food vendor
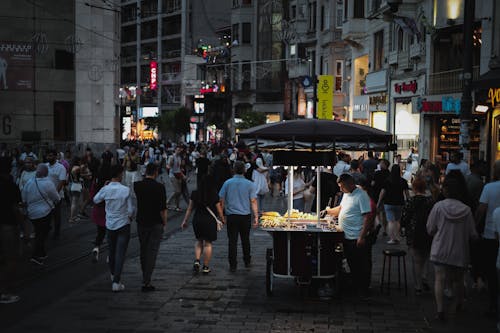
[[353, 215]]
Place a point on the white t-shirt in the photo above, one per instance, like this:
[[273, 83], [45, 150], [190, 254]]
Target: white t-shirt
[[462, 166], [57, 173], [496, 218], [491, 197], [353, 206]]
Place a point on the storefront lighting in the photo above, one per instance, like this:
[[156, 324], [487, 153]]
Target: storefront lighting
[[453, 9], [482, 108]]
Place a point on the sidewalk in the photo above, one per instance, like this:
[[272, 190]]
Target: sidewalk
[[237, 302]]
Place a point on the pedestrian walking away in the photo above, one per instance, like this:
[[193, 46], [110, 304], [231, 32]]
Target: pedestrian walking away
[[151, 219], [119, 213], [205, 202], [239, 200], [98, 213], [57, 174], [40, 195]]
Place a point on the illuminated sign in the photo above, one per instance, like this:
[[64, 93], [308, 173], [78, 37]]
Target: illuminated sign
[[447, 104], [406, 87], [325, 97], [153, 70], [494, 96]]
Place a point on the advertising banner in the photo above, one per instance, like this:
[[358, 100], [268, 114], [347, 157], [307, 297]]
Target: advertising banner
[[325, 97], [16, 66]]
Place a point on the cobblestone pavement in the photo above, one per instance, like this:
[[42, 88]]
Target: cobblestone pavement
[[236, 302]]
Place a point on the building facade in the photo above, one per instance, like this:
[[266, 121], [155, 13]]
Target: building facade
[[58, 67]]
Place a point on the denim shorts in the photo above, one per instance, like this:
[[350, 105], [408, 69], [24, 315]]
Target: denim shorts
[[393, 212]]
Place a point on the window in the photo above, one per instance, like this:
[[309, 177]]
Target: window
[[293, 12], [401, 40], [359, 9], [64, 60], [64, 121], [236, 32], [346, 9], [312, 16], [246, 2], [339, 15], [325, 66], [378, 50], [392, 38], [246, 75], [322, 19], [321, 69], [246, 33], [339, 75]]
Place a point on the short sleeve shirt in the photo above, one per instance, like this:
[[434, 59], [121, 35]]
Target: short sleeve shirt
[[394, 192], [353, 206], [491, 197], [496, 218], [57, 174], [237, 193]]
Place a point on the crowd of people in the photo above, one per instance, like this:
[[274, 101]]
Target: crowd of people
[[449, 217]]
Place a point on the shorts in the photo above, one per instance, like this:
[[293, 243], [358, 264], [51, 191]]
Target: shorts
[[393, 212]]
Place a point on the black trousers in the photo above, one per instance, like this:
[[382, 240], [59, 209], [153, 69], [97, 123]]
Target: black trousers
[[359, 262], [42, 227], [99, 237], [238, 224], [489, 251], [149, 238], [56, 215]]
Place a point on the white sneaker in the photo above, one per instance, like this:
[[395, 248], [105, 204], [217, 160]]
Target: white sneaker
[[8, 299], [116, 287], [95, 254]]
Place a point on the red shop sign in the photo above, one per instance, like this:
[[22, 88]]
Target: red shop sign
[[406, 87], [153, 67]]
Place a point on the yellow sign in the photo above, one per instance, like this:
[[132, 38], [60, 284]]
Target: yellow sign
[[494, 96], [325, 97]]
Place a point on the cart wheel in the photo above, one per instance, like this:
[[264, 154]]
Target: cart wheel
[[269, 272]]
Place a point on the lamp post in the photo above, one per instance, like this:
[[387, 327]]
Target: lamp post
[[466, 101]]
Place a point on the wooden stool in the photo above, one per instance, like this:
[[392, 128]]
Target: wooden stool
[[389, 253]]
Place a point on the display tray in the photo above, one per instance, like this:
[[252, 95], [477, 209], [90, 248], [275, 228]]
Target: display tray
[[302, 228]]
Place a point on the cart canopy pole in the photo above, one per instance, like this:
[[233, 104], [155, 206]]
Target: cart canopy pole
[[318, 191], [290, 190]]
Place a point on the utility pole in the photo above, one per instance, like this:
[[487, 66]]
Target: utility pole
[[466, 101], [159, 55], [138, 56]]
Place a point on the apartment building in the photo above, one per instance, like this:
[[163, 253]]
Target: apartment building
[[158, 58]]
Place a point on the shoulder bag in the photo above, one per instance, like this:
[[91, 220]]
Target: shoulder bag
[[43, 197], [219, 222], [75, 186]]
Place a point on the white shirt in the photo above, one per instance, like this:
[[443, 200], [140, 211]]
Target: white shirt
[[491, 197], [121, 153], [24, 178], [298, 184], [496, 218], [119, 205], [57, 174], [352, 208], [462, 166], [340, 168], [39, 202], [30, 154]]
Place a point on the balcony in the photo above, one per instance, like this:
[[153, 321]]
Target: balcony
[[171, 78], [354, 29], [449, 81], [417, 50]]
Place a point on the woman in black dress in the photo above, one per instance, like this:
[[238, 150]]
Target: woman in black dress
[[204, 224]]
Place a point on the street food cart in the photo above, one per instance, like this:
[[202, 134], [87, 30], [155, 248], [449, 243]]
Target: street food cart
[[305, 246]]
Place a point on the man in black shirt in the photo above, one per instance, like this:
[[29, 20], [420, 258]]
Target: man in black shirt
[[10, 197], [151, 218]]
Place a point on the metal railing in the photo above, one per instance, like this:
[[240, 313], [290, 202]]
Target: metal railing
[[449, 81]]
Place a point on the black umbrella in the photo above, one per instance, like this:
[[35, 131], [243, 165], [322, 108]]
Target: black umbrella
[[323, 133]]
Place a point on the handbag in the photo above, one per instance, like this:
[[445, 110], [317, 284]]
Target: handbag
[[219, 222], [75, 186], [43, 197]]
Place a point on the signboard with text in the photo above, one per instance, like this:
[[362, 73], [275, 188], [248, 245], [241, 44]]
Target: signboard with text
[[153, 73], [325, 97], [16, 66]]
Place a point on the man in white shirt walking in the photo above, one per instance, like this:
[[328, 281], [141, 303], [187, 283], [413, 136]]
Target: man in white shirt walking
[[58, 176], [119, 213]]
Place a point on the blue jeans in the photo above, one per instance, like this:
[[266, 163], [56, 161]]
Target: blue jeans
[[298, 204], [118, 243]]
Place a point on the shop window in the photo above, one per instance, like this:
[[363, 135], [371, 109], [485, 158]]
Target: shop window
[[64, 60], [64, 121], [378, 50], [246, 33]]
